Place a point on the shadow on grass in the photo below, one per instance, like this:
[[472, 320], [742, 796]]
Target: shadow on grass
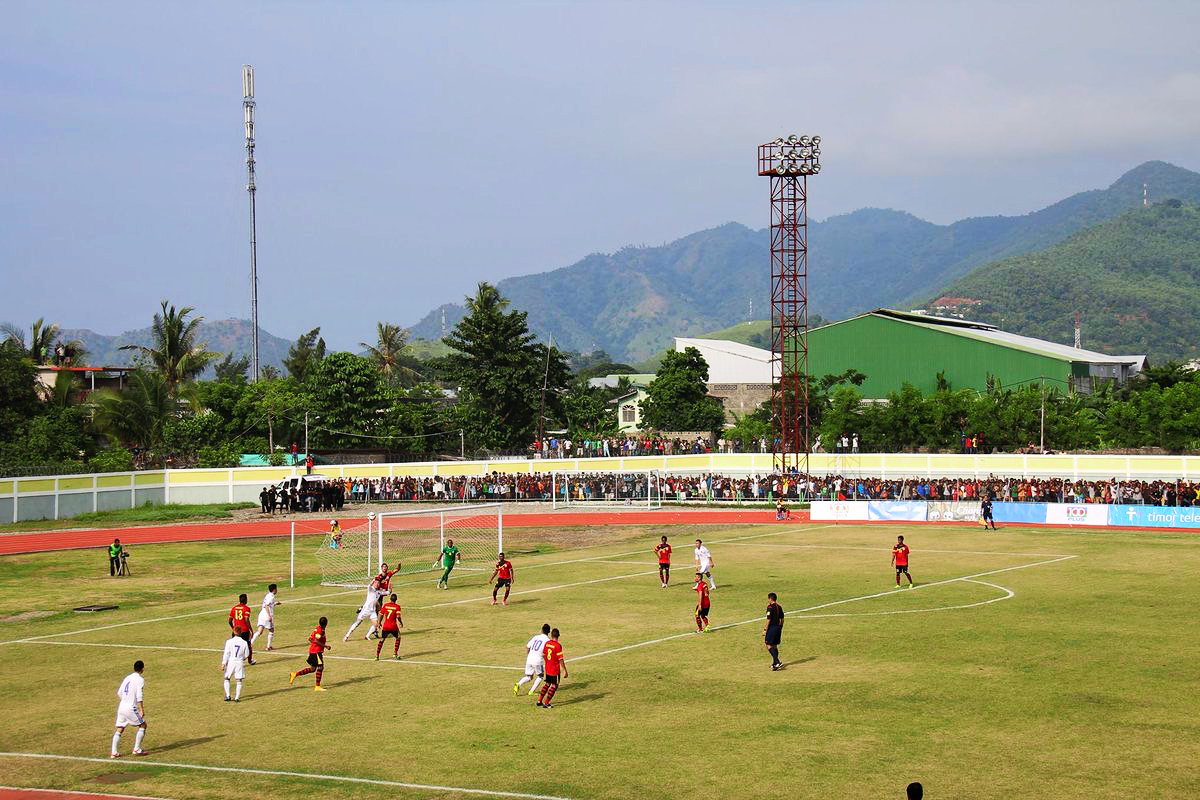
[[799, 661], [299, 687], [583, 698], [185, 743], [422, 653]]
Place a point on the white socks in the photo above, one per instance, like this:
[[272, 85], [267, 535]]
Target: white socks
[[270, 638], [255, 636], [116, 742], [238, 694], [523, 680], [137, 742], [712, 584], [352, 627], [227, 688], [533, 688], [372, 630]]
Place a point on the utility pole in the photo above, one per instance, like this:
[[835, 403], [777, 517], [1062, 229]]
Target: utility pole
[[306, 433], [542, 410], [462, 444], [1042, 381], [248, 108], [1078, 330]]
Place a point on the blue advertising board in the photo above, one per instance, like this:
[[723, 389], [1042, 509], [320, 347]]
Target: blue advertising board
[[1153, 517], [1019, 512], [906, 510]]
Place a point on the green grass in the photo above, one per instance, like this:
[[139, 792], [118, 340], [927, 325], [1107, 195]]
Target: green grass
[[123, 517], [1083, 684]]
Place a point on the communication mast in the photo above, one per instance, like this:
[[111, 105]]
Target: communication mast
[[248, 107]]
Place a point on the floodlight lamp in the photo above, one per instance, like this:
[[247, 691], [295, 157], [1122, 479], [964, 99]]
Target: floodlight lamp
[[793, 139], [816, 168], [805, 140], [782, 169], [779, 142], [816, 140]]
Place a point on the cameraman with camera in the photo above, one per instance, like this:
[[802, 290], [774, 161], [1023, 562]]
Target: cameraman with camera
[[117, 555]]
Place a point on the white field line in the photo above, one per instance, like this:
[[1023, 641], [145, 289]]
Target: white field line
[[535, 591], [275, 653], [648, 562], [888, 550], [82, 794], [352, 591], [1008, 594], [286, 774], [821, 606]]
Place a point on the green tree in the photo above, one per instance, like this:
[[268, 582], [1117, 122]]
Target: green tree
[[18, 398], [174, 351], [233, 371], [390, 355], [137, 415], [305, 355], [501, 373], [348, 402], [677, 399]]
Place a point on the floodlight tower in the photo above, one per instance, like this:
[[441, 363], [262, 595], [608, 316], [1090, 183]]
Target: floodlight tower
[[788, 162], [248, 107]]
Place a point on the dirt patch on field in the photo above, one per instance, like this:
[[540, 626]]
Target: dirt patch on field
[[27, 615]]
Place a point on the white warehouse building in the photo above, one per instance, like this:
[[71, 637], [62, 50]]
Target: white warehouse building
[[738, 374]]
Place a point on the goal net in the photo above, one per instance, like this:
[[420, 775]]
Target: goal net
[[640, 488], [412, 541]]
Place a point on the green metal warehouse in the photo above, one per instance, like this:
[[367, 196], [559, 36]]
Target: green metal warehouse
[[895, 347]]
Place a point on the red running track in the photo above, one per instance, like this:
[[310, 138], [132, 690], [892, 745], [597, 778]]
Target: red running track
[[12, 793], [83, 538]]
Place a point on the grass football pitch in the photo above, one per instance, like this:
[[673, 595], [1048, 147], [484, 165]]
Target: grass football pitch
[[1026, 663]]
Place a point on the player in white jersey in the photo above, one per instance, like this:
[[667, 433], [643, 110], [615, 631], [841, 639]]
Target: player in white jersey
[[131, 710], [534, 666], [266, 617], [369, 610], [233, 664], [704, 565]]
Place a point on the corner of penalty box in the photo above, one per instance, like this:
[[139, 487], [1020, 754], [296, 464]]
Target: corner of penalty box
[[84, 609]]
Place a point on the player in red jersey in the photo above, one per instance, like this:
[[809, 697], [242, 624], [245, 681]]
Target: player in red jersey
[[384, 579], [390, 623], [239, 622], [703, 603], [316, 654], [900, 561], [503, 573], [555, 665], [663, 551]]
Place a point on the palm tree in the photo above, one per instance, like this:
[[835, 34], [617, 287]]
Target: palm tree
[[388, 353], [136, 415], [174, 352], [42, 339]]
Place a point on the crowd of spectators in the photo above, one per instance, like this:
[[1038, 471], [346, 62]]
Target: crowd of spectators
[[617, 446], [332, 494]]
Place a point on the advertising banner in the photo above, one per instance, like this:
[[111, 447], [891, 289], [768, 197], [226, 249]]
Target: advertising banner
[[1154, 516], [838, 511], [1072, 514], [1019, 512], [953, 511], [907, 510]]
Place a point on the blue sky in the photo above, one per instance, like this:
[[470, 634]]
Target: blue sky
[[408, 150]]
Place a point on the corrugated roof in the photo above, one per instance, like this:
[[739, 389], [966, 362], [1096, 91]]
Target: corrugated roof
[[725, 346]]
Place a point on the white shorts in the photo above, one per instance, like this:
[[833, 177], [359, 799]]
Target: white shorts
[[236, 670], [365, 612], [128, 716], [704, 568], [264, 621], [532, 668]]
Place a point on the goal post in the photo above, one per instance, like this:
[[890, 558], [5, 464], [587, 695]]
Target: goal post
[[640, 488]]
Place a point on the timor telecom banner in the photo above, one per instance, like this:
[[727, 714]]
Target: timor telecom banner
[[1153, 516]]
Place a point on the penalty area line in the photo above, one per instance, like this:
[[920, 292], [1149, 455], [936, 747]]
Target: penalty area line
[[968, 578], [271, 773]]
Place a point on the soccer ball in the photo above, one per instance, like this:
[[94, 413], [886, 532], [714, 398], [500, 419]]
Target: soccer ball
[[371, 515]]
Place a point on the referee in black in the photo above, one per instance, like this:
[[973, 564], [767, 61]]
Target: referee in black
[[773, 630]]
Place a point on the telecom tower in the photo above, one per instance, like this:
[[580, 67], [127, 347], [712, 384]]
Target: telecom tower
[[788, 162], [248, 107]]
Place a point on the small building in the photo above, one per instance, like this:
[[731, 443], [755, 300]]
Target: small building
[[895, 347], [88, 379], [629, 410]]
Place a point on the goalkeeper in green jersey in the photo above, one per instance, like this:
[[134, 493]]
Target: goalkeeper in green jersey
[[448, 558]]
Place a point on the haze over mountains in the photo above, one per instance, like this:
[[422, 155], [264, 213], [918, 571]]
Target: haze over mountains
[[631, 302], [1085, 253]]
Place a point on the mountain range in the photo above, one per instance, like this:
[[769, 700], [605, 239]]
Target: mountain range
[[221, 336], [1135, 278], [631, 302]]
